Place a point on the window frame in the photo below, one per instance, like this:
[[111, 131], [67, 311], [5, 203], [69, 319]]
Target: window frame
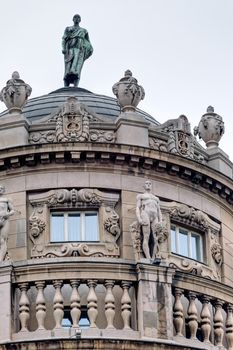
[[65, 215], [190, 233]]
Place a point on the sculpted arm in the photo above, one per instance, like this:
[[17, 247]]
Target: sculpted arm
[[138, 209], [63, 43], [159, 213]]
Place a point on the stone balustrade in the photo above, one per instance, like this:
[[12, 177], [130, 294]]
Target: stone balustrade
[[202, 318], [95, 298]]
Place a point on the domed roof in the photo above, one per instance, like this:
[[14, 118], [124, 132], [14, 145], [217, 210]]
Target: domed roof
[[42, 106]]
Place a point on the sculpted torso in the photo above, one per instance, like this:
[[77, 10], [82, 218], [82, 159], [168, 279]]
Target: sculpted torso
[[149, 206]]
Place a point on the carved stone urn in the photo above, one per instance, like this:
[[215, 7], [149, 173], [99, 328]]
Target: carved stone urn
[[210, 128], [15, 93], [128, 92]]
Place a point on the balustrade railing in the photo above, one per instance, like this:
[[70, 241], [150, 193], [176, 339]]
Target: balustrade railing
[[58, 304], [198, 316], [52, 300]]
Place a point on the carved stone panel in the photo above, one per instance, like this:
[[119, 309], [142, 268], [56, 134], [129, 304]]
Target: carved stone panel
[[72, 123]]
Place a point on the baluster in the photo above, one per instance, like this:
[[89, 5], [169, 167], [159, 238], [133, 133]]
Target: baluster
[[126, 304], [75, 303], [109, 303], [92, 303], [23, 307], [58, 303], [178, 312], [192, 315], [205, 318], [229, 327], [40, 304], [218, 323]]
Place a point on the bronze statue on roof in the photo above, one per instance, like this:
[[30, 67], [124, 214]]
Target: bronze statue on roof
[[76, 47]]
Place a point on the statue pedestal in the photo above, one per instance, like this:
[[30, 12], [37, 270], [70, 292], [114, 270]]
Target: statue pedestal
[[132, 129], [155, 301], [219, 160], [13, 130]]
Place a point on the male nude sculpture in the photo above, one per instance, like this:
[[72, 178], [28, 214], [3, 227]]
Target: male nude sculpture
[[149, 216], [6, 210]]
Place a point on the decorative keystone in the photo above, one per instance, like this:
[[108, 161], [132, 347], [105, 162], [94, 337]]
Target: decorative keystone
[[210, 128], [128, 92], [15, 93]]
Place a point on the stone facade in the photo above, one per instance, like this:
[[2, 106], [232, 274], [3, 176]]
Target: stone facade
[[76, 161]]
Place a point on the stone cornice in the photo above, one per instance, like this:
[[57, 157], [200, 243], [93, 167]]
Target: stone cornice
[[123, 155]]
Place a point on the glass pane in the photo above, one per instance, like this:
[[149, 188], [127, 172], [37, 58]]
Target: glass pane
[[57, 228], [74, 227], [91, 227], [196, 247], [183, 242], [173, 239]]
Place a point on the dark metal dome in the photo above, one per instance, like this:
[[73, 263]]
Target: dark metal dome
[[42, 106]]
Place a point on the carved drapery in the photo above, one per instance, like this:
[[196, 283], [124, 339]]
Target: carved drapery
[[64, 199]]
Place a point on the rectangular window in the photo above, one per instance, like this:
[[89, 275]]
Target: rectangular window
[[74, 226], [186, 243]]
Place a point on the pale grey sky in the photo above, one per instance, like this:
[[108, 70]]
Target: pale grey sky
[[181, 51]]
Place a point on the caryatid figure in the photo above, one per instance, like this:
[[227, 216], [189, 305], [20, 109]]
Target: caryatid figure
[[149, 216]]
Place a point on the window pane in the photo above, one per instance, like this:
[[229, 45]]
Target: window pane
[[91, 227], [57, 224], [74, 227], [196, 247], [183, 242], [173, 239]]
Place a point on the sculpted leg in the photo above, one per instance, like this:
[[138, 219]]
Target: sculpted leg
[[145, 243], [3, 242], [155, 238]]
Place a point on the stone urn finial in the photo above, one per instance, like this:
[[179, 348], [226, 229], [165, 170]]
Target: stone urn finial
[[15, 93], [128, 92], [210, 128]]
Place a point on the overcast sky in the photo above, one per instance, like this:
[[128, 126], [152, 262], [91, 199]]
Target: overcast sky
[[181, 51]]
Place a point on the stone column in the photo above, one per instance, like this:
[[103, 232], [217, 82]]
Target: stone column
[[155, 318], [5, 297]]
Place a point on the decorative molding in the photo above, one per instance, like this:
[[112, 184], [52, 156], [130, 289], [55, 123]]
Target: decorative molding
[[36, 224], [196, 219], [42, 137], [73, 196], [188, 215], [212, 181], [102, 136], [75, 249], [157, 144], [111, 223], [41, 204]]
